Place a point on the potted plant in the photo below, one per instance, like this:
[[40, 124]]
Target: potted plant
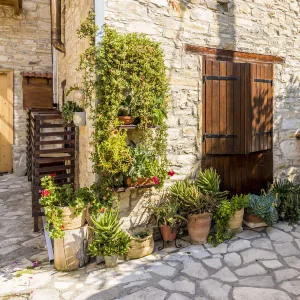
[[262, 210], [110, 240], [71, 111], [64, 208], [143, 167], [124, 113], [197, 206], [237, 208], [141, 243], [168, 219]]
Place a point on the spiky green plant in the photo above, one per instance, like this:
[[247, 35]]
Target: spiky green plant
[[264, 206], [190, 199], [208, 182]]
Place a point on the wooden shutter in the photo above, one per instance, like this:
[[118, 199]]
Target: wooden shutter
[[261, 107], [226, 91], [37, 92]]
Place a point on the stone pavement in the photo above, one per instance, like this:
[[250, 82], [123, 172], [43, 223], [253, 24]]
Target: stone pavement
[[255, 265]]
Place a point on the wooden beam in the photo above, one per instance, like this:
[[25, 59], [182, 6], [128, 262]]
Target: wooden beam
[[221, 54]]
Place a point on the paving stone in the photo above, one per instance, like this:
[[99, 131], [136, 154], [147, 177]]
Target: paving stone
[[67, 295], [232, 260], [285, 274], [257, 281], [214, 263], [62, 285], [239, 245], [286, 249], [251, 270], [87, 295], [225, 275], [297, 242], [136, 283], [248, 234], [9, 249], [293, 261], [178, 286], [40, 257], [176, 296], [262, 243], [252, 254], [162, 270], [181, 257], [215, 289], [220, 249], [17, 266], [9, 242], [196, 251], [278, 235], [291, 286], [283, 226], [194, 269], [296, 234], [272, 264], [251, 293], [45, 294], [150, 293]]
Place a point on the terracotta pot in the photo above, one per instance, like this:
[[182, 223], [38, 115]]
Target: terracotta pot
[[111, 261], [168, 232], [127, 120], [236, 220], [140, 247], [139, 182], [70, 220], [199, 227], [252, 218]]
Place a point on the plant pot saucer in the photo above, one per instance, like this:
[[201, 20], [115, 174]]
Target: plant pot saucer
[[254, 225]]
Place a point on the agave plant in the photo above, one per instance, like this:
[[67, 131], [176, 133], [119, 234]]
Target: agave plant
[[208, 182], [190, 198]]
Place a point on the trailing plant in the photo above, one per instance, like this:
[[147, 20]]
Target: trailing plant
[[130, 78], [109, 238], [140, 235], [225, 210], [68, 110], [190, 198], [264, 206], [55, 197], [288, 193], [208, 182]]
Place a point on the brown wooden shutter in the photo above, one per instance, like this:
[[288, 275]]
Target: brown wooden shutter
[[226, 91], [37, 92], [261, 107]]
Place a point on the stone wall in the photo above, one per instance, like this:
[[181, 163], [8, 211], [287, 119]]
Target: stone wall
[[24, 46], [75, 11], [255, 26]]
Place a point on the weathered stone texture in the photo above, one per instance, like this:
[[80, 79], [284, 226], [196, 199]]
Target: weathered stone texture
[[24, 46]]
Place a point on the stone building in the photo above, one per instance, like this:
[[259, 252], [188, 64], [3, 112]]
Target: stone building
[[25, 52]]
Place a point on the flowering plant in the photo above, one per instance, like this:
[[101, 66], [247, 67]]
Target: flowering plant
[[54, 198]]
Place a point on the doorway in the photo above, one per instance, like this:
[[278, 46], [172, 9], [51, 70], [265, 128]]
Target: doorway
[[6, 120]]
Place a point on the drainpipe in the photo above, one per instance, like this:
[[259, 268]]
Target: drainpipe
[[56, 26]]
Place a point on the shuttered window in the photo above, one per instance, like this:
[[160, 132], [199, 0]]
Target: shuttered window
[[237, 107]]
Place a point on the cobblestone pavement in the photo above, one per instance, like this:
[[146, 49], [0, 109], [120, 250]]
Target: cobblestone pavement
[[255, 265]]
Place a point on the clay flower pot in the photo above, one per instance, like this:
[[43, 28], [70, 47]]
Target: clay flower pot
[[139, 182], [168, 232], [236, 220], [127, 120], [252, 218], [199, 227]]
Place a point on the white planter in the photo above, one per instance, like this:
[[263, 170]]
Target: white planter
[[79, 118]]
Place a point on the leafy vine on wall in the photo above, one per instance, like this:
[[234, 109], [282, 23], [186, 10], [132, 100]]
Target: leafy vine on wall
[[130, 76]]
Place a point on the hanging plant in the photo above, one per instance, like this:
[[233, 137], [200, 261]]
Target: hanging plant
[[130, 80]]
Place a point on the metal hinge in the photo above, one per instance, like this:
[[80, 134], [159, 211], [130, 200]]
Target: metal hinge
[[217, 136], [263, 132], [205, 78], [263, 80]]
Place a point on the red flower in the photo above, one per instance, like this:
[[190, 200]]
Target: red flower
[[102, 210], [52, 175], [62, 226], [156, 180], [171, 173], [45, 193], [116, 131]]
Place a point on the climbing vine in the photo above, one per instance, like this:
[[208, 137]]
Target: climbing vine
[[130, 76]]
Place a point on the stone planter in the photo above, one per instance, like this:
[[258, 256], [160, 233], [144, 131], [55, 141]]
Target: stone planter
[[79, 118], [70, 220], [99, 259], [140, 247], [127, 120], [111, 261], [199, 227], [235, 222]]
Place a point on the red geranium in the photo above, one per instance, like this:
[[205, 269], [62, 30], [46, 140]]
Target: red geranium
[[52, 175], [102, 210], [62, 226], [45, 193], [156, 180], [171, 173]]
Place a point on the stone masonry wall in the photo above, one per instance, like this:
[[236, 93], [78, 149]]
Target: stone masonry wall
[[255, 26], [24, 46], [73, 12]]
